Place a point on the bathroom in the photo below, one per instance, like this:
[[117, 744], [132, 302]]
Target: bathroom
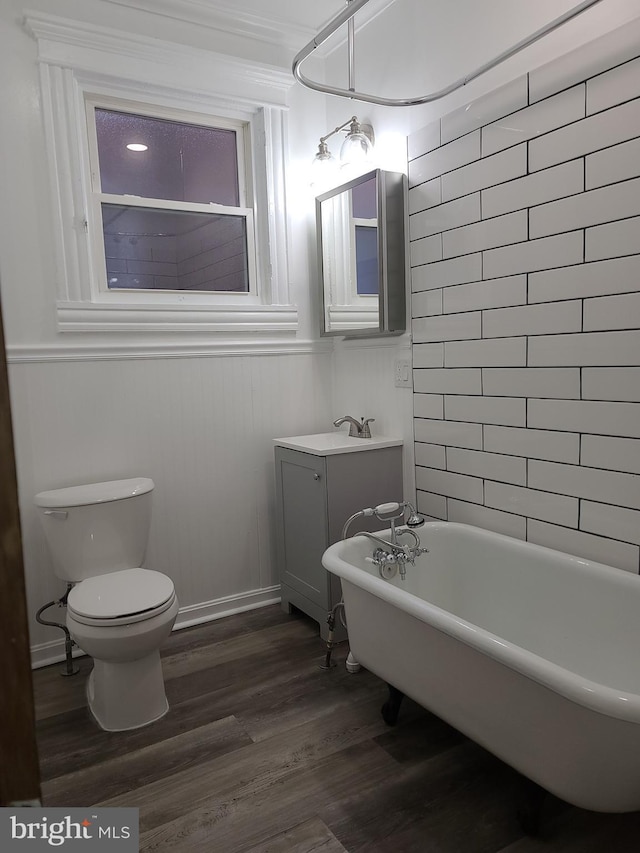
[[197, 407]]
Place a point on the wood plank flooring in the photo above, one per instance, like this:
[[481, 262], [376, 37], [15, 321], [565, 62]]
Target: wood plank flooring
[[264, 752]]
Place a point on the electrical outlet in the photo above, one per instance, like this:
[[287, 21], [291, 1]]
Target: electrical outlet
[[402, 373]]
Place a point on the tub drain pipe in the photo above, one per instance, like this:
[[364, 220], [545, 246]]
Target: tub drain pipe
[[70, 667], [331, 622]]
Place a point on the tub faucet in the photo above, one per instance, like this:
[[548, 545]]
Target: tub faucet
[[393, 554], [389, 552], [357, 429]]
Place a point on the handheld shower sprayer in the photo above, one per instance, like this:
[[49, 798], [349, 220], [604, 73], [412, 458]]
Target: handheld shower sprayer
[[387, 512]]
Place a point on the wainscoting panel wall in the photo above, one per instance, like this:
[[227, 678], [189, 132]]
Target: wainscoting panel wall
[[525, 255], [202, 429]]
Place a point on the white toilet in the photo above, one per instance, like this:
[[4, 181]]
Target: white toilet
[[117, 612]]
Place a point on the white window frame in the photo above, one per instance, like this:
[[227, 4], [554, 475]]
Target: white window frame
[[77, 63], [344, 307], [99, 288]]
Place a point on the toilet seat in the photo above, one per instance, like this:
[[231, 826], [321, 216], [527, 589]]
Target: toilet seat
[[129, 595]]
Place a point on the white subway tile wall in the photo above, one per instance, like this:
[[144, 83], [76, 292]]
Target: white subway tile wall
[[442, 217], [534, 120], [427, 303], [431, 455], [614, 164], [525, 255], [554, 183], [425, 195], [484, 173], [429, 406], [496, 293], [491, 519], [585, 62], [485, 109]]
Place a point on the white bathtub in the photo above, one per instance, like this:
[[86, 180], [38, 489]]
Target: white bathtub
[[532, 653]]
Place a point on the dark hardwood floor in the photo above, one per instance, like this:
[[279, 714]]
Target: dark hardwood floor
[[264, 751]]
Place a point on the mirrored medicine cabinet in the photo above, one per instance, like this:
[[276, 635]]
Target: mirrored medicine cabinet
[[360, 229]]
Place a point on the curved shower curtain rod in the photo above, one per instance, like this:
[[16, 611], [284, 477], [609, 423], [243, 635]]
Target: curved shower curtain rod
[[347, 16]]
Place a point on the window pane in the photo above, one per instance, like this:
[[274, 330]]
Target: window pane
[[364, 200], [182, 162], [149, 249], [366, 260]]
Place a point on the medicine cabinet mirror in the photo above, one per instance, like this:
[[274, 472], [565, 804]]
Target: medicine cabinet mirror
[[361, 255]]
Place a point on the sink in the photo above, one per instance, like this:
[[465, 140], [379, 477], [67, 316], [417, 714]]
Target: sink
[[339, 441]]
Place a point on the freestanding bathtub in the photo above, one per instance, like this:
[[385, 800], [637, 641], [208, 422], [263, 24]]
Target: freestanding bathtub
[[532, 653]]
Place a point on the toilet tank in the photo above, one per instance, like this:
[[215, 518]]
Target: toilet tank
[[96, 528]]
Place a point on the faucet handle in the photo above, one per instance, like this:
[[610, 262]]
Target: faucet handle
[[365, 429]]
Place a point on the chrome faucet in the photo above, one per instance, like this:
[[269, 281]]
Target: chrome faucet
[[390, 554], [357, 429], [393, 554]]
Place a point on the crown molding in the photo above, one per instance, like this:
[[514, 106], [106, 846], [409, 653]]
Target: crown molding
[[70, 43], [226, 19]]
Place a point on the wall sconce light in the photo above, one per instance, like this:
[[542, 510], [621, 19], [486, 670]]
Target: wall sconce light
[[355, 154]]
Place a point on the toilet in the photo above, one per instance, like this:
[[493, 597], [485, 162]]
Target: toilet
[[117, 612]]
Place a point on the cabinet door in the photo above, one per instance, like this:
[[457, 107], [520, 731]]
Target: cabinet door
[[304, 522], [359, 480]]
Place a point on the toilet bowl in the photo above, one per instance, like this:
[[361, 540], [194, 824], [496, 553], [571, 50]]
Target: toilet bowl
[[117, 612]]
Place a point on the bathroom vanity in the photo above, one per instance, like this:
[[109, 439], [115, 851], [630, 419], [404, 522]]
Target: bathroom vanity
[[321, 480]]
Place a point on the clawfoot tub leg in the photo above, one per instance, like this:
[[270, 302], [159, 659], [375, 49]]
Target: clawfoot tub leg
[[391, 707], [529, 807]]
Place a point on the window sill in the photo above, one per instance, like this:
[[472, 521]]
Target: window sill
[[121, 317]]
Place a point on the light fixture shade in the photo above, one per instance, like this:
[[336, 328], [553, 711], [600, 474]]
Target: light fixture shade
[[356, 156], [357, 147]]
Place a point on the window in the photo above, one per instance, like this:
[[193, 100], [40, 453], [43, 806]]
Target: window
[[187, 236], [364, 218], [170, 199]]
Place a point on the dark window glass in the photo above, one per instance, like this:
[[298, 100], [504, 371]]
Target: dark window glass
[[364, 200], [183, 162], [150, 249], [366, 260]]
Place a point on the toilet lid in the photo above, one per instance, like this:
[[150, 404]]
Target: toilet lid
[[120, 593]]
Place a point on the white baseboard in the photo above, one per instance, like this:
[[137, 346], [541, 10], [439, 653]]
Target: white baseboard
[[45, 654], [195, 614]]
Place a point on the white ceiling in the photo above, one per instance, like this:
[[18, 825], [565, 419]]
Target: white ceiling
[[313, 15], [454, 30], [431, 41]]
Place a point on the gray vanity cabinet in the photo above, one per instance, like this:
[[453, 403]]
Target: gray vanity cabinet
[[316, 493]]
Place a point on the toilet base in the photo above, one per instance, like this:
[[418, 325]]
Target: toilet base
[[127, 695]]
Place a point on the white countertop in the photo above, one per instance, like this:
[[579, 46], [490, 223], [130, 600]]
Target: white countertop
[[329, 443]]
